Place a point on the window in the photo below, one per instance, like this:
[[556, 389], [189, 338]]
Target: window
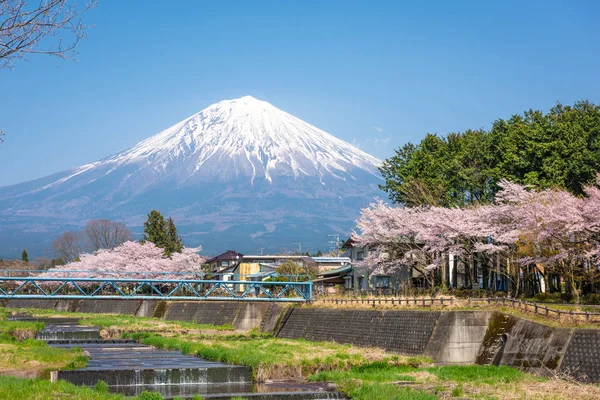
[[224, 263], [360, 255], [382, 281]]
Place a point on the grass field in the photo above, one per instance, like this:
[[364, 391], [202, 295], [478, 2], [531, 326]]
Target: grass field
[[24, 356]]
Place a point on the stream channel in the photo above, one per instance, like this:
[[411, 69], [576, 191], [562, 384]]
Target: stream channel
[[131, 368]]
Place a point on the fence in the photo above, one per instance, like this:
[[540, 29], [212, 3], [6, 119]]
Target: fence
[[538, 309]]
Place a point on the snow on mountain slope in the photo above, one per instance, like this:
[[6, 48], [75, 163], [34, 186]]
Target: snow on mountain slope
[[244, 137], [236, 162]]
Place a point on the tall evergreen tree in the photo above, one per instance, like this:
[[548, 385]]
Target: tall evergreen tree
[[155, 230], [24, 256], [174, 242], [557, 149]]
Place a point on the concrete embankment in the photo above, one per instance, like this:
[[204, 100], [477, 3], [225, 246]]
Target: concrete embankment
[[449, 337]]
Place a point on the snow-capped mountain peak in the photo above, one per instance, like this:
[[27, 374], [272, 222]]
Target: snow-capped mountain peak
[[245, 137]]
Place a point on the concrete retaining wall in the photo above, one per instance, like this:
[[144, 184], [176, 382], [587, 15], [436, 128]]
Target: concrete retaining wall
[[582, 356], [243, 316], [521, 343], [31, 303], [458, 336], [406, 332]]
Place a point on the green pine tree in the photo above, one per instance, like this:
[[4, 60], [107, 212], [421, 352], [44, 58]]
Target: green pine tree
[[174, 242], [319, 254], [155, 230], [24, 256]]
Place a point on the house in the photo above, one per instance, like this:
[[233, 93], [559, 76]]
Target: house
[[332, 280], [252, 267], [329, 263], [364, 280], [225, 260]]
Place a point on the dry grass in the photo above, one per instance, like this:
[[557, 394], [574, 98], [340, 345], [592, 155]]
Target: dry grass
[[526, 311], [553, 389]]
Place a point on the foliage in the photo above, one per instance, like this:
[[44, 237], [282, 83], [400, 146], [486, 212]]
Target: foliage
[[290, 267], [162, 233], [147, 395], [131, 257], [24, 256], [174, 242], [155, 229], [559, 149]]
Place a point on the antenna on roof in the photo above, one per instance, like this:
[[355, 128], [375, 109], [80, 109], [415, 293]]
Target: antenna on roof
[[260, 250], [334, 243]]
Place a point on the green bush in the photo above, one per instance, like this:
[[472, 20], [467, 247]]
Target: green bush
[[146, 395], [551, 297], [592, 298], [101, 387]]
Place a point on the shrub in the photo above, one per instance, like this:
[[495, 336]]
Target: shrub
[[146, 395], [101, 387], [592, 298]]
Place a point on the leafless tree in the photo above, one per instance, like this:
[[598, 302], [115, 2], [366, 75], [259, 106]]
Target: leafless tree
[[105, 234], [51, 27], [68, 246]]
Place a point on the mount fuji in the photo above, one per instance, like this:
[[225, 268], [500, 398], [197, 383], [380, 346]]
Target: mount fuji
[[239, 174]]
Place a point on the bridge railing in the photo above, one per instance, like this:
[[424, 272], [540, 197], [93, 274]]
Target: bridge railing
[[56, 273], [285, 289]]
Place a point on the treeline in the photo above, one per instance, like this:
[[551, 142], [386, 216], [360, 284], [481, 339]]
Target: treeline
[[558, 149]]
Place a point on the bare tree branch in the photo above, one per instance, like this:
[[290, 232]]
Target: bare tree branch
[[53, 27], [105, 234], [68, 246]]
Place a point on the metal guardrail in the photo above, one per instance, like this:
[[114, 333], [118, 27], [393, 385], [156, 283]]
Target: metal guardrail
[[32, 287]]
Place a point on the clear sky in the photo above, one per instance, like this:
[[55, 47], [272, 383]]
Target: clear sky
[[376, 73]]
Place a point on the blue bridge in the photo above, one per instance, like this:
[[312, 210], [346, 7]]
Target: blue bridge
[[152, 285]]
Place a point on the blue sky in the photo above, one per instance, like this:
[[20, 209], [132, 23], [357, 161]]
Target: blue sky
[[376, 73]]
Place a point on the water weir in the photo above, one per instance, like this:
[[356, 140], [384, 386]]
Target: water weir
[[131, 368]]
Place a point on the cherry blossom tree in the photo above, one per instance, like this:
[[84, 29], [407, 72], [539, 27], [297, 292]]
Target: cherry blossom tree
[[131, 260], [527, 227]]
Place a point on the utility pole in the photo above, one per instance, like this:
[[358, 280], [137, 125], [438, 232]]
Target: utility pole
[[299, 247]]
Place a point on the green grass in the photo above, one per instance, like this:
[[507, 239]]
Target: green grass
[[268, 355], [487, 374], [375, 380], [128, 323], [20, 352], [41, 389], [12, 388]]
